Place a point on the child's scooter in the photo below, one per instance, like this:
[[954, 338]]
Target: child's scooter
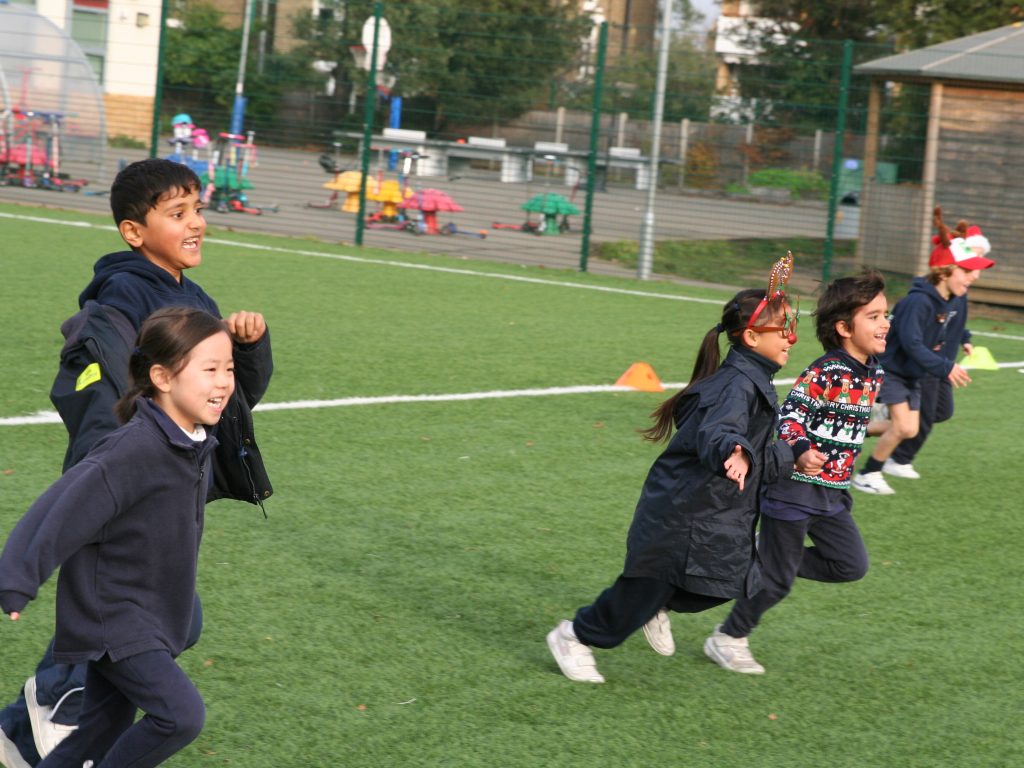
[[451, 229], [527, 226]]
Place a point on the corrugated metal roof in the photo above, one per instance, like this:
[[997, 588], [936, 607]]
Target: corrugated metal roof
[[995, 56]]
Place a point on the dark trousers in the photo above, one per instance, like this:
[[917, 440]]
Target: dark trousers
[[837, 554], [173, 714], [936, 407], [56, 681], [630, 603]]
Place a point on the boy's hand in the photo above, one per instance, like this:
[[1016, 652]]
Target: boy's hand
[[811, 462], [968, 348], [246, 327], [15, 615], [958, 376], [737, 466]]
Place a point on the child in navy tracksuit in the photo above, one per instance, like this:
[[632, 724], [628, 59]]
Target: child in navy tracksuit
[[826, 412], [921, 324], [124, 525]]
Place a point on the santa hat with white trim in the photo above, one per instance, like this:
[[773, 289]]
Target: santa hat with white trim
[[964, 247]]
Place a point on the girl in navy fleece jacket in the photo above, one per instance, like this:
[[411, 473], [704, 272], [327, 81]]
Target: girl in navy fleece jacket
[[125, 525]]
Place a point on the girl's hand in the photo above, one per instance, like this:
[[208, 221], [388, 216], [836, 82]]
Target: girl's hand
[[246, 327], [737, 466], [811, 462], [15, 615]]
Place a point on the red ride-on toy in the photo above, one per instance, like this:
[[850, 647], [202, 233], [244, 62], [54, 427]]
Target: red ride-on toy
[[30, 151]]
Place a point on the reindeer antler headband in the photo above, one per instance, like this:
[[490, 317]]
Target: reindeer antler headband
[[778, 279]]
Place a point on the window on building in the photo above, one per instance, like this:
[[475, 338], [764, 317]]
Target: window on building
[[89, 30]]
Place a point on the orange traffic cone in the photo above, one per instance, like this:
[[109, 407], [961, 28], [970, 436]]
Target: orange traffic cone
[[640, 376]]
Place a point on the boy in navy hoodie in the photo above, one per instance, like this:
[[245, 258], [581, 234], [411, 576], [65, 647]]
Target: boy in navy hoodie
[[157, 209], [926, 323]]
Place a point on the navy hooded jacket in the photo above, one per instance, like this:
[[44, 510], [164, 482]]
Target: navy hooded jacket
[[126, 288], [136, 287], [923, 323]]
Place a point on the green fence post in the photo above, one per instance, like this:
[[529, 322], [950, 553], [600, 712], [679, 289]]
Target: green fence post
[[158, 97], [595, 130], [837, 158], [371, 100]]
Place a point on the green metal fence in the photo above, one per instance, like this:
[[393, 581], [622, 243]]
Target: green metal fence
[[534, 132]]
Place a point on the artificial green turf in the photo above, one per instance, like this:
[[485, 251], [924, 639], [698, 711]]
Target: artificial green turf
[[392, 609]]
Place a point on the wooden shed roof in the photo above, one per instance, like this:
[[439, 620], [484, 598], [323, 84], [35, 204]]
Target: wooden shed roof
[[995, 56]]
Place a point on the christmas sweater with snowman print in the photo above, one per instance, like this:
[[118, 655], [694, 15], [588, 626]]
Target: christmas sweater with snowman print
[[829, 406]]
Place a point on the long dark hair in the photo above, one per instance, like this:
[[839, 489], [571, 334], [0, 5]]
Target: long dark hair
[[166, 338], [735, 316]]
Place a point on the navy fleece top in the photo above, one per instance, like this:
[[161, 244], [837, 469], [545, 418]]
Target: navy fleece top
[[137, 287], [125, 524], [923, 324]]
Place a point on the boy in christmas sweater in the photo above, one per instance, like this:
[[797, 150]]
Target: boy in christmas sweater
[[827, 411]]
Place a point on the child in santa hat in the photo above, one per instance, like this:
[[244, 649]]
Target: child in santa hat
[[928, 329]]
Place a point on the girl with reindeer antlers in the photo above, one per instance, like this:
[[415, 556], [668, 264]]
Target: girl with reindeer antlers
[[691, 544]]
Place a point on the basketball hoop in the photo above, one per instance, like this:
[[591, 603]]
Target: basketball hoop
[[361, 56], [361, 53]]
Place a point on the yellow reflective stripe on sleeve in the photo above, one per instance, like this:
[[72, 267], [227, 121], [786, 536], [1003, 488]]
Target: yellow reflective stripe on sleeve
[[90, 375]]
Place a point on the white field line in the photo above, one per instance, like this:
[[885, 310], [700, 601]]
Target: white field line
[[51, 417], [432, 268], [400, 264]]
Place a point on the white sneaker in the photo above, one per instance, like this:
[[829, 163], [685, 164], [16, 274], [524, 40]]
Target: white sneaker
[[46, 733], [906, 471], [658, 632], [10, 755], [872, 482], [575, 659], [732, 653]]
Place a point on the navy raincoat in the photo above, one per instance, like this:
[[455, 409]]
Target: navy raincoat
[[693, 527]]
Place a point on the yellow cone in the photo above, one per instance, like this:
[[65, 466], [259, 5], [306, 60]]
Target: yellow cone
[[641, 377], [980, 359]]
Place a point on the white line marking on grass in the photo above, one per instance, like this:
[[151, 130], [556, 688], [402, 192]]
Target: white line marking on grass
[[434, 268], [468, 272], [61, 222], [400, 264], [998, 336], [39, 417], [455, 397], [431, 267], [51, 417]]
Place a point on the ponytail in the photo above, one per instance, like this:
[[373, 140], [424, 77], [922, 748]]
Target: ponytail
[[735, 315]]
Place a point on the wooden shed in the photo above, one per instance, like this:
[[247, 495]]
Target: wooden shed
[[973, 164]]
